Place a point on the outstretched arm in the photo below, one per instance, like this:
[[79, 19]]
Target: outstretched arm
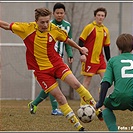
[[83, 50], [104, 88], [4, 25]]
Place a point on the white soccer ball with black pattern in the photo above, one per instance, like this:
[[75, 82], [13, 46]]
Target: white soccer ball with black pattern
[[86, 113]]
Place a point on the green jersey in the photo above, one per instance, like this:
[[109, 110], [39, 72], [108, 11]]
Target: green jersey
[[59, 46], [120, 71]]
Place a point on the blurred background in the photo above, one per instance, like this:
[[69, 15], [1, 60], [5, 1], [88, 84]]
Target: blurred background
[[17, 82]]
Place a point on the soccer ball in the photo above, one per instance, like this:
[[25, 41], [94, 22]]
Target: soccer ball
[[86, 113]]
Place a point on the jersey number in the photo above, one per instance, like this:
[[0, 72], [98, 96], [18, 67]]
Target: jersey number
[[123, 70]]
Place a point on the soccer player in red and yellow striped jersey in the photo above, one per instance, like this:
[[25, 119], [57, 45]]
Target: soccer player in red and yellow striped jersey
[[59, 12], [39, 38], [95, 36]]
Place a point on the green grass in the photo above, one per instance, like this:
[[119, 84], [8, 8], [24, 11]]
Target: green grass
[[15, 116]]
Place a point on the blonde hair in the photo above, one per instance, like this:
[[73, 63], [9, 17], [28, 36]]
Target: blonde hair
[[42, 12]]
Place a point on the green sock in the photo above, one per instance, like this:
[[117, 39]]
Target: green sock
[[110, 119], [53, 102], [42, 95]]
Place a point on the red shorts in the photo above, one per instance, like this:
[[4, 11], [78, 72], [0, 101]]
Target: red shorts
[[47, 78], [89, 69]]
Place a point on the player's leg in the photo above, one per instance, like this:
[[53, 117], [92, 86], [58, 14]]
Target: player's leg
[[123, 102], [54, 103], [50, 85], [88, 72], [86, 82], [83, 92], [66, 109], [108, 115], [110, 119], [33, 104]]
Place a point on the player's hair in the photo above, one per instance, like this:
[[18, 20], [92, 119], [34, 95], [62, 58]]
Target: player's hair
[[125, 42], [100, 9], [58, 6], [42, 12]]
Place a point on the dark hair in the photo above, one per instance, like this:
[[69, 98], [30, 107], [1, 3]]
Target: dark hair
[[58, 6], [125, 42], [42, 12], [100, 9]]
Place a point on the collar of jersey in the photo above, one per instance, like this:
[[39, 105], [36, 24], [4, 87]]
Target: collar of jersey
[[49, 27], [57, 22], [94, 22]]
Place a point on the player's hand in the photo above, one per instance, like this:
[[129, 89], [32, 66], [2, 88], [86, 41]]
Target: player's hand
[[83, 58], [84, 50], [70, 60]]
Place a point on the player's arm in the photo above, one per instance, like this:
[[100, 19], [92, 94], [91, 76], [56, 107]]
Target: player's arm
[[104, 88], [68, 48], [107, 52], [81, 44], [83, 50], [4, 25], [83, 57], [69, 52]]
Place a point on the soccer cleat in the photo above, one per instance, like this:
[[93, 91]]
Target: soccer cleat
[[100, 116], [32, 108], [82, 129], [56, 112]]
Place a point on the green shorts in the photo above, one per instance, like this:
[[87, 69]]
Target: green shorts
[[119, 101]]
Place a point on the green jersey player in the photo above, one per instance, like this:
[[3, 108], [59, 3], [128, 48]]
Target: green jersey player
[[119, 72], [59, 14], [60, 46]]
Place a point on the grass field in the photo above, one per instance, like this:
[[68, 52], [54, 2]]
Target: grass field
[[15, 116]]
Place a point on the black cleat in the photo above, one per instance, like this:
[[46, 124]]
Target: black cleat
[[82, 129]]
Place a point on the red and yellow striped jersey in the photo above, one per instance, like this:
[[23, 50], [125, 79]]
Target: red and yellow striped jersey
[[94, 38], [40, 53]]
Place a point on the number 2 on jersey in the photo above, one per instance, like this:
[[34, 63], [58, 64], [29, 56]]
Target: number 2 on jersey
[[125, 68]]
